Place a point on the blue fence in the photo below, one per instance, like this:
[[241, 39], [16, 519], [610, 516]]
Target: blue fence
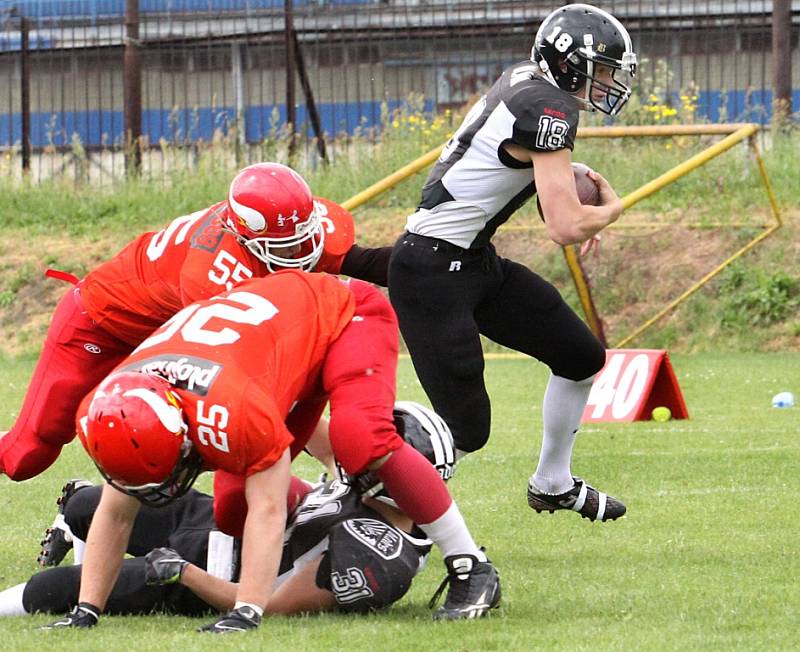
[[100, 128], [105, 128]]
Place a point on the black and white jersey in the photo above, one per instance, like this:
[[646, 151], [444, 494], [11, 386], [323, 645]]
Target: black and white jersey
[[321, 510], [475, 186]]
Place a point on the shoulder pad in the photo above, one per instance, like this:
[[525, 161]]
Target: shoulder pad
[[339, 227]]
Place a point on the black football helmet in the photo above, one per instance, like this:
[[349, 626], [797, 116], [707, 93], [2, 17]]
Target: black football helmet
[[428, 433], [423, 430], [579, 37]]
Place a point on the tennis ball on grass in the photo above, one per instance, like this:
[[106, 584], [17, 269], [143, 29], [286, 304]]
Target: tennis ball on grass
[[661, 414]]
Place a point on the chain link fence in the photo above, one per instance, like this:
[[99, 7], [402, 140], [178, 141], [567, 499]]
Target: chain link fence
[[79, 79]]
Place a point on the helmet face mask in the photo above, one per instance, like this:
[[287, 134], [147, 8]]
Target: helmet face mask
[[160, 494], [136, 434], [308, 241], [271, 212], [571, 44]]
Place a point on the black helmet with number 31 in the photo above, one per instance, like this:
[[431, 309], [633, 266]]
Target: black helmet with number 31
[[572, 41]]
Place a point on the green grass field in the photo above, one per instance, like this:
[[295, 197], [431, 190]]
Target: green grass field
[[706, 558]]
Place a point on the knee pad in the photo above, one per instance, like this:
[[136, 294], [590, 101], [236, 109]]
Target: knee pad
[[52, 591], [359, 436], [22, 461], [230, 503], [80, 508]]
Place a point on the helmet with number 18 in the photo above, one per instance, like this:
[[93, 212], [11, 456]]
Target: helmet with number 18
[[272, 213], [588, 53]]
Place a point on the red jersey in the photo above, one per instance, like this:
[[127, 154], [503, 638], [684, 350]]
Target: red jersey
[[239, 362], [193, 258]]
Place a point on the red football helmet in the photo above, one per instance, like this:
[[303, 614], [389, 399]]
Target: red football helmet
[[135, 433], [272, 212]]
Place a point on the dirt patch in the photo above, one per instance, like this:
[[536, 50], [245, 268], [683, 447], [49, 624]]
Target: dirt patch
[[27, 296], [640, 268]]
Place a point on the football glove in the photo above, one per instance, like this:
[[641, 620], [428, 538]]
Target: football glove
[[163, 566], [236, 620], [82, 615]]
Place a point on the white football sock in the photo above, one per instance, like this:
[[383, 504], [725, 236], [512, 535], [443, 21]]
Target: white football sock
[[449, 532], [564, 401], [11, 601], [78, 548]]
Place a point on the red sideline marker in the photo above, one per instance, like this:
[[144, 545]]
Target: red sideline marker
[[631, 384]]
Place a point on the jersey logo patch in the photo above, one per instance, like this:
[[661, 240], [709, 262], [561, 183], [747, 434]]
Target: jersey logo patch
[[555, 113], [210, 233], [377, 536], [185, 372]]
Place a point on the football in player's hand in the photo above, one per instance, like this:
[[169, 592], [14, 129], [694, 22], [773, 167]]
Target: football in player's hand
[[587, 189]]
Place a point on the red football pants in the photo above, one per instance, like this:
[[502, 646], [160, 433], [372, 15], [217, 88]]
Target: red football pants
[[76, 356], [359, 375]]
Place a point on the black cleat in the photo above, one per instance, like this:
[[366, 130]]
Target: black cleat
[[57, 540], [582, 498], [474, 589]]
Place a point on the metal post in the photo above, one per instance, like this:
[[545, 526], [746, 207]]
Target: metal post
[[25, 93], [311, 105], [781, 62], [291, 113], [237, 77], [132, 91]]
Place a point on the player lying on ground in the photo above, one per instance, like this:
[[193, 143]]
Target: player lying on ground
[[236, 384], [340, 551], [270, 221]]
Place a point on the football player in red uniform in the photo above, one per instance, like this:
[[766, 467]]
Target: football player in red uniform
[[269, 221], [237, 383]]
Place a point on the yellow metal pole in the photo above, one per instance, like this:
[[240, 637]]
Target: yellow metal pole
[[393, 179], [735, 134], [696, 287], [584, 292], [773, 201], [659, 131], [774, 208], [687, 166]]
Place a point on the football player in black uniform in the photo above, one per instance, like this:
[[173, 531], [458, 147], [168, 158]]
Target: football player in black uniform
[[447, 283], [341, 550]]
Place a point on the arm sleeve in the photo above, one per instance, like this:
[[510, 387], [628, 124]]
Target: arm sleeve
[[367, 264]]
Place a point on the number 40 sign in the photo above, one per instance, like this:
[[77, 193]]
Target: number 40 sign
[[631, 384]]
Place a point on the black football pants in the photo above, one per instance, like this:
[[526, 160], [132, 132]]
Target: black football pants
[[183, 525], [446, 296]]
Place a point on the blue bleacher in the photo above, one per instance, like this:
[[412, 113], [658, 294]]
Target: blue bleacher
[[92, 9]]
